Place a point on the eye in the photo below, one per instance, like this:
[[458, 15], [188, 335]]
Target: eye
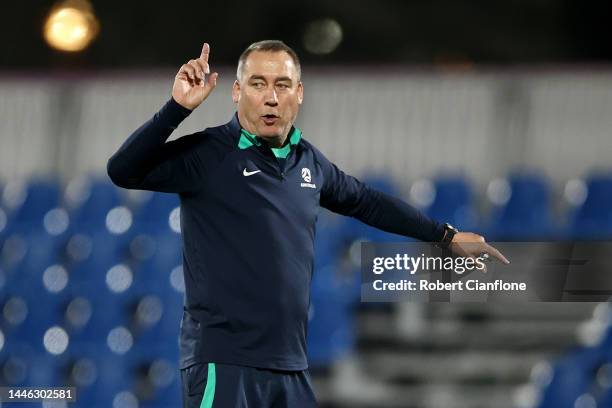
[[282, 86], [257, 85]]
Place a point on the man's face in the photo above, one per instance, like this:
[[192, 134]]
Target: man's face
[[268, 94]]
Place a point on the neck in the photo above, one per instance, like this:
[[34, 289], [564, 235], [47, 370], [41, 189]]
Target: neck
[[275, 141]]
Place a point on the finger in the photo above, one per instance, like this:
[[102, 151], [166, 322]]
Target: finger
[[205, 52], [493, 251], [202, 66], [212, 81], [460, 250], [189, 71], [199, 74], [183, 76]]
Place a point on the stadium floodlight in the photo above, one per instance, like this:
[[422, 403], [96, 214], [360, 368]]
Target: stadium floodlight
[[71, 26]]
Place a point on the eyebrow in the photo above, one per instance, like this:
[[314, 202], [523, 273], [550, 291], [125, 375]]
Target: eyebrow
[[283, 78]]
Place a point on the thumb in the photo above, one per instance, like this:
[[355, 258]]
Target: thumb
[[212, 80]]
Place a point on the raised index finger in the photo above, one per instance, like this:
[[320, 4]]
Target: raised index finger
[[493, 251], [205, 52]]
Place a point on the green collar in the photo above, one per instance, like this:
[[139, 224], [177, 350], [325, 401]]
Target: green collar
[[248, 139]]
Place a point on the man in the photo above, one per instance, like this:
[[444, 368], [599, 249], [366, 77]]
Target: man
[[250, 192]]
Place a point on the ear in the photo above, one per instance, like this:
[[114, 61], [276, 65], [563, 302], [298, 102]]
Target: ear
[[236, 91], [300, 91]]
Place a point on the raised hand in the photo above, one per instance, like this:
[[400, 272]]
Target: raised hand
[[194, 82]]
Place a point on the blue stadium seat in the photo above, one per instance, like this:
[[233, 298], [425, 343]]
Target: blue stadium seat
[[153, 265], [572, 377], [25, 256], [152, 216], [96, 197], [37, 197], [26, 365], [576, 374], [156, 370], [98, 374], [593, 219], [453, 203], [527, 213], [331, 332]]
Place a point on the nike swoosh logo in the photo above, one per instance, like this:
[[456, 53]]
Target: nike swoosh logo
[[246, 173]]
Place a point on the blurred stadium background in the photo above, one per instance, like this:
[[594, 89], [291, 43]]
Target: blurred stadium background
[[496, 117]]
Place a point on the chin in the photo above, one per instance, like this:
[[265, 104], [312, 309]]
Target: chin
[[269, 133]]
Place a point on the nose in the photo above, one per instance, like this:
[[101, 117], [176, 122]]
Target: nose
[[271, 97]]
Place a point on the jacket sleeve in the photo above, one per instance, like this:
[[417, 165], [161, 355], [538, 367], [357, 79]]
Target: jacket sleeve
[[145, 161], [344, 194]]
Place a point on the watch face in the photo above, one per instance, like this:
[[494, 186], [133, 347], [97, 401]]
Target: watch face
[[450, 227]]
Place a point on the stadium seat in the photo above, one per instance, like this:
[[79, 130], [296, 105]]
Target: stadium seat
[[526, 213], [593, 219], [453, 203], [152, 216], [27, 203], [334, 293], [572, 377]]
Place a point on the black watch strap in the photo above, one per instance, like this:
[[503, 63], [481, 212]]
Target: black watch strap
[[449, 234]]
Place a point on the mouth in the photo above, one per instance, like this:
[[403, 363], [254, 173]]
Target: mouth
[[269, 119]]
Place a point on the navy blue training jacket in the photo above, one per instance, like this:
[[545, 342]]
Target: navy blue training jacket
[[248, 229]]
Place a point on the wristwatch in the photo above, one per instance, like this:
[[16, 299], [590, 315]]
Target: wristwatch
[[449, 234]]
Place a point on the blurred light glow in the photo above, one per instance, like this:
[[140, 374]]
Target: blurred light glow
[[526, 396], [125, 399], [119, 220], [149, 310], [603, 313], [119, 340], [1, 340], [79, 247], [119, 278], [604, 376], [139, 197], [174, 220], [575, 192], [84, 372], [78, 191], [15, 310], [499, 191], [56, 340], [591, 332], [14, 194], [71, 26], [55, 278], [585, 401], [322, 36], [542, 374], [56, 221], [78, 312], [354, 252], [161, 373], [177, 280], [3, 220], [423, 193]]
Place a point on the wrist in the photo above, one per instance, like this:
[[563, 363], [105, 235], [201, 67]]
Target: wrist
[[449, 235], [179, 105]]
